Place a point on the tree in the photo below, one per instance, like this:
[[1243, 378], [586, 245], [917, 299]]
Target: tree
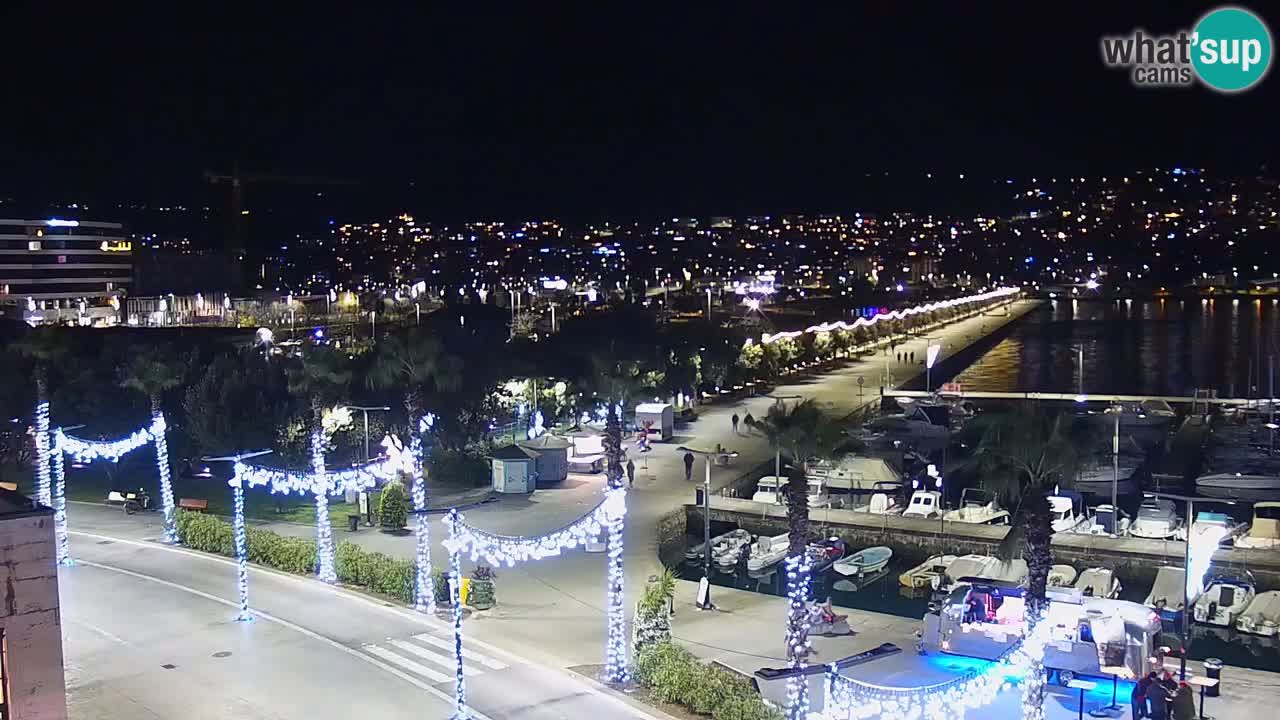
[[321, 375], [153, 371], [415, 362], [240, 402], [801, 433], [393, 506], [1023, 455], [43, 348], [653, 612]]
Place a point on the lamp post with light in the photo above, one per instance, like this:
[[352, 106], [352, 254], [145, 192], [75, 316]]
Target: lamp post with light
[[363, 497], [704, 602]]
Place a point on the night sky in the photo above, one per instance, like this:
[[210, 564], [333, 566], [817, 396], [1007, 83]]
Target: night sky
[[543, 113]]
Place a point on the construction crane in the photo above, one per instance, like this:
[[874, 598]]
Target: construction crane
[[238, 180]]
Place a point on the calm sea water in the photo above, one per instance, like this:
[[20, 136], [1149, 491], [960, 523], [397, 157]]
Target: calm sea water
[[1162, 347]]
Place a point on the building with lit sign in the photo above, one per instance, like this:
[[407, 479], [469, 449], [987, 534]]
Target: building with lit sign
[[64, 270]]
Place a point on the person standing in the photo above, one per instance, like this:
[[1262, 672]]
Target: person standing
[[688, 466], [1138, 700], [631, 473], [734, 420], [1157, 700], [748, 421], [1183, 706]]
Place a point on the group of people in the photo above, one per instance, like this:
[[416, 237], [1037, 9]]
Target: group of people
[[1163, 698], [749, 420]]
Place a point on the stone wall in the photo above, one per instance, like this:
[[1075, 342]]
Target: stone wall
[[29, 617]]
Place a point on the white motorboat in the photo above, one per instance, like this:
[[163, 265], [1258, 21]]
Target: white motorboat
[[925, 574], [1264, 531], [1157, 519], [1261, 479], [1148, 413], [884, 500], [1104, 520], [865, 561], [1167, 592], [1061, 576], [978, 507], [770, 490], [728, 552], [766, 552], [696, 552], [1223, 601], [924, 504], [1098, 479], [854, 472], [1262, 616], [985, 567], [1220, 525], [1098, 582], [1065, 511], [914, 422]]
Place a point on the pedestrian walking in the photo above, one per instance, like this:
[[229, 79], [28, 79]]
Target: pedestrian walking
[[748, 421], [631, 473], [734, 419], [913, 356], [688, 466]]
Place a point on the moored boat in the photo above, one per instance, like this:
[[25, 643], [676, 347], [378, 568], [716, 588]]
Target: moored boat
[[1223, 601], [1098, 582], [867, 560], [1262, 616], [924, 574]]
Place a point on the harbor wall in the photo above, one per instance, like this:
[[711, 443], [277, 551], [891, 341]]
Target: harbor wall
[[915, 539]]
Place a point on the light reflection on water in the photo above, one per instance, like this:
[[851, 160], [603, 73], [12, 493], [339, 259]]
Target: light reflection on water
[[1161, 347]]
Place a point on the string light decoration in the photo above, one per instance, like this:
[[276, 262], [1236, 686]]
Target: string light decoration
[[498, 550], [242, 551], [60, 509], [43, 492], [454, 545], [324, 531], [355, 479], [892, 315], [424, 596], [86, 451], [850, 699], [797, 568]]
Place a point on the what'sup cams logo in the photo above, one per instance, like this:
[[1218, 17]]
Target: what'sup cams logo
[[1229, 51]]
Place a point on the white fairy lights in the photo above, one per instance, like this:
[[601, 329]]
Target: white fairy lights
[[242, 552], [43, 492], [424, 596], [797, 568], [85, 451], [324, 530], [850, 699], [502, 549], [893, 315]]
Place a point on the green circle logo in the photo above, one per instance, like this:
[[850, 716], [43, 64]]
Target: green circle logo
[[1231, 49]]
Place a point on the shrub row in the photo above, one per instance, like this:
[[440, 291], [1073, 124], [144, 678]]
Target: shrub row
[[355, 566], [675, 675]]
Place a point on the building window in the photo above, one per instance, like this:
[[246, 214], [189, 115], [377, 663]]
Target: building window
[[33, 245]]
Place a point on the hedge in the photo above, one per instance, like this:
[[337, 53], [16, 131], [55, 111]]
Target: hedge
[[375, 571], [675, 675]]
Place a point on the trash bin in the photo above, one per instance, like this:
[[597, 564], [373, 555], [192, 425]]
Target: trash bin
[[353, 522], [1213, 671]]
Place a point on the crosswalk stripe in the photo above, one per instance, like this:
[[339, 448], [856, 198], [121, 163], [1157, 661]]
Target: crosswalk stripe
[[437, 658], [406, 663], [468, 654]]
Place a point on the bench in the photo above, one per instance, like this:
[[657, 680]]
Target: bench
[[193, 504]]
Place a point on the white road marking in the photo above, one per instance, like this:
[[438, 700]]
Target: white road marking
[[286, 624], [468, 654], [446, 662], [407, 664]]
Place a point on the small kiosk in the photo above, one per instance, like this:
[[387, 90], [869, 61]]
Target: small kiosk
[[514, 469], [656, 417], [552, 463]]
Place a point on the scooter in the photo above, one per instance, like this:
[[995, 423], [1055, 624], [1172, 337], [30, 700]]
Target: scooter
[[131, 500]]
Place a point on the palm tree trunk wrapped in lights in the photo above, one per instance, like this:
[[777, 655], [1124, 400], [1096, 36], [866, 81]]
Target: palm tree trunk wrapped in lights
[[615, 670], [324, 529]]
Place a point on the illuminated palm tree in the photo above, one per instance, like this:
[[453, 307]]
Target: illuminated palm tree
[[801, 433], [43, 348], [153, 371], [416, 363], [320, 376]]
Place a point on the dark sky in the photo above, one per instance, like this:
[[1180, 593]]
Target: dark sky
[[725, 109]]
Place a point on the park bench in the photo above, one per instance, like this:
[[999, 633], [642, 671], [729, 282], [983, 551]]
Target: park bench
[[193, 504]]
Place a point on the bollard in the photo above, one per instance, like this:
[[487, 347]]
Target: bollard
[[1213, 671]]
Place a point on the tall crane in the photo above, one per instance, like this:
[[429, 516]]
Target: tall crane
[[238, 180]]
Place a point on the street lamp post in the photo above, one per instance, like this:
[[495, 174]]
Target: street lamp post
[[777, 452], [1186, 577], [707, 456], [1115, 471], [363, 497]]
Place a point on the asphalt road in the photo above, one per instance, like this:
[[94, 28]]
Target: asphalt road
[[149, 632]]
